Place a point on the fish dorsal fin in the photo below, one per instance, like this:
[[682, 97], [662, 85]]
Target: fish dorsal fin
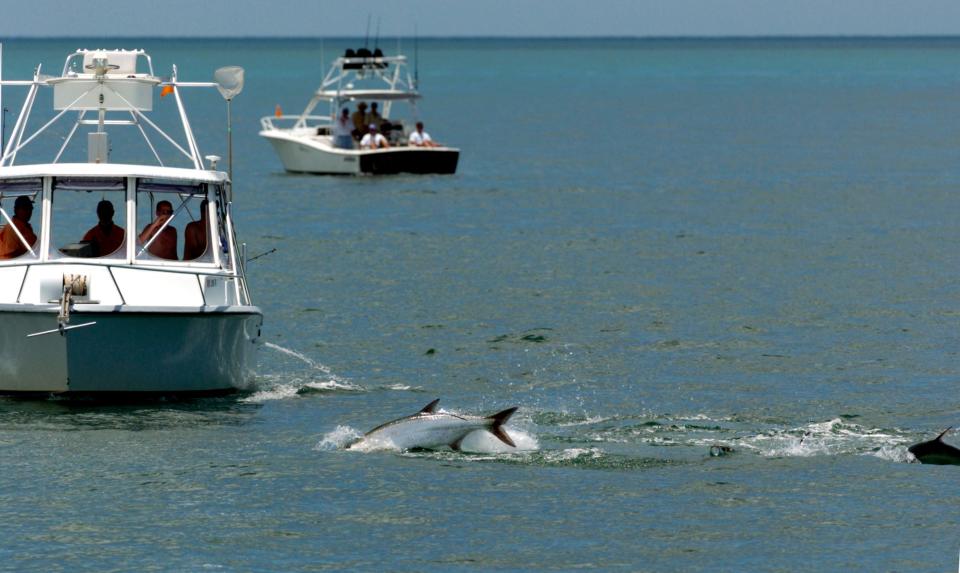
[[942, 434], [430, 408]]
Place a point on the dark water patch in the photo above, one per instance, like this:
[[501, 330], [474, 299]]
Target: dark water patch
[[72, 415], [533, 335]]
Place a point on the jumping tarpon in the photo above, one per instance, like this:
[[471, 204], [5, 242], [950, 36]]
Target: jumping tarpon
[[936, 451], [430, 429]]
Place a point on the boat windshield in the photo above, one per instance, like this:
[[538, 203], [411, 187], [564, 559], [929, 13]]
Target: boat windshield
[[88, 218], [18, 236], [174, 221]]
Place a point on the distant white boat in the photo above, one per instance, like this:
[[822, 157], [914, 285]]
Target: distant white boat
[[87, 304], [306, 143]]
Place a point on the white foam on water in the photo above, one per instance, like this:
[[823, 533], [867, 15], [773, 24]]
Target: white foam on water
[[570, 454], [341, 437], [830, 438], [279, 392], [898, 454], [334, 384]]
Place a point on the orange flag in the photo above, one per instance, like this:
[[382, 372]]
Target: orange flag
[[166, 90], [278, 112]]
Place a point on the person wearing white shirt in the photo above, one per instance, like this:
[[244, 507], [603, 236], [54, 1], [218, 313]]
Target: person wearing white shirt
[[343, 130], [421, 138], [374, 140]]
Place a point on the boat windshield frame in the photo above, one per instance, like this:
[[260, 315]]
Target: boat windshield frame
[[187, 194]]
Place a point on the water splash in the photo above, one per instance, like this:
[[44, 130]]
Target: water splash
[[306, 359], [340, 438], [831, 438], [278, 387]]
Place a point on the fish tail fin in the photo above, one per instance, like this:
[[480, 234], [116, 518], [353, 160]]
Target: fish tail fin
[[943, 433], [496, 427]]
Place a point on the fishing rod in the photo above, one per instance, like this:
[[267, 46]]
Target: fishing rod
[[366, 39], [262, 255]]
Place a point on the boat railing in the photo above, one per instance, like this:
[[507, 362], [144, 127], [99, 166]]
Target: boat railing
[[289, 122], [95, 83]]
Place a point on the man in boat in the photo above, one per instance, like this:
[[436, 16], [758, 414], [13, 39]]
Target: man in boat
[[359, 118], [195, 235], [105, 237], [420, 138], [164, 246], [11, 246], [374, 139], [374, 116], [343, 131]]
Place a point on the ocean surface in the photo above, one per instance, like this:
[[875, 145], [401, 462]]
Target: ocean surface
[[650, 247]]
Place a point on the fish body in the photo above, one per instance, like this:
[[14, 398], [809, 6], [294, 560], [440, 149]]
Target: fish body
[[936, 451], [430, 429]]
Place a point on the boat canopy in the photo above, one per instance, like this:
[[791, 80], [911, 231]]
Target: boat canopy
[[375, 95]]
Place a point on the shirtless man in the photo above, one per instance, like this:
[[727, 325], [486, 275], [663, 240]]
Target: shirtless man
[[359, 123], [195, 236], [105, 237], [164, 246]]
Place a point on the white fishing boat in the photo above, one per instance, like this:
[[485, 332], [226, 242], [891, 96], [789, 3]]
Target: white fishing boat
[[87, 304], [362, 80]]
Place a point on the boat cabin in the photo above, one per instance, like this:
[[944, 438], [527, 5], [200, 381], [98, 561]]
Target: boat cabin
[[148, 221]]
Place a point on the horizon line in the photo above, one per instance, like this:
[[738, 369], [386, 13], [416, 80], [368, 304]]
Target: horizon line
[[517, 37]]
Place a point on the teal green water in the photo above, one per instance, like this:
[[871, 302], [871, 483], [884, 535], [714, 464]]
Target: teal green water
[[650, 247]]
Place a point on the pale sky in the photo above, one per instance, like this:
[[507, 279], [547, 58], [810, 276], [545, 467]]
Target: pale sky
[[430, 18]]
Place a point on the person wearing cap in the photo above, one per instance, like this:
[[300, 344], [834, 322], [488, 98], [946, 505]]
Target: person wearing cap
[[343, 131], [11, 246], [164, 246], [359, 118], [373, 139], [420, 138], [105, 237]]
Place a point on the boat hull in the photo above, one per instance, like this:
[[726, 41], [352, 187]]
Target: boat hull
[[136, 351], [314, 155], [419, 161]]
